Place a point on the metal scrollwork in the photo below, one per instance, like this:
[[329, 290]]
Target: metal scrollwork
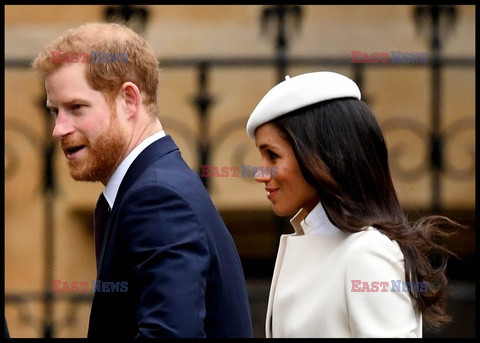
[[452, 132], [241, 148], [398, 150], [12, 156]]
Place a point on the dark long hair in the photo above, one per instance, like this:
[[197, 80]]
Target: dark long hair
[[342, 153]]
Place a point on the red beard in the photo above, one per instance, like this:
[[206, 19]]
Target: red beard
[[101, 156]]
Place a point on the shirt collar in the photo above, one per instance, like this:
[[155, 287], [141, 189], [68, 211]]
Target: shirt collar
[[314, 223], [115, 180]]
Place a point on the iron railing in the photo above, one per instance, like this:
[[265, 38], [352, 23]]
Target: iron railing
[[433, 136]]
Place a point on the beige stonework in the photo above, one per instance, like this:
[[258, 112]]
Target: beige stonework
[[209, 31]]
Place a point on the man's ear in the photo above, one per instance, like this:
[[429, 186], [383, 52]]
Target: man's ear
[[131, 99]]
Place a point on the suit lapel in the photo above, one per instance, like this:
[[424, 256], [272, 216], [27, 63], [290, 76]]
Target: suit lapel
[[147, 157]]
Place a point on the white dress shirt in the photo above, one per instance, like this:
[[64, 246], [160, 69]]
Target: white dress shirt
[[113, 184]]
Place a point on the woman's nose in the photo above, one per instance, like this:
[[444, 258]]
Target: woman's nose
[[263, 174]]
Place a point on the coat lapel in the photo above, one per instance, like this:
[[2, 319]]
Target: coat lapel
[[147, 157]]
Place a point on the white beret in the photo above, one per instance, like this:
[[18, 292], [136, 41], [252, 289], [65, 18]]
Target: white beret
[[300, 91]]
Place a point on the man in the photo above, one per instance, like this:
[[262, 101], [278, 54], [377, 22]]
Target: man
[[166, 264]]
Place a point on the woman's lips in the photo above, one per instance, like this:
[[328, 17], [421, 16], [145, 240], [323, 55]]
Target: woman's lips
[[271, 192]]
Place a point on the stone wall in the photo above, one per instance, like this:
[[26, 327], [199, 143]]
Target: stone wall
[[223, 31]]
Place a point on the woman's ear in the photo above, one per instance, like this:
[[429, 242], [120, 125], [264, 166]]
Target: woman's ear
[[131, 99]]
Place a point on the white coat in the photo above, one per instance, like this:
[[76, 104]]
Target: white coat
[[318, 273]]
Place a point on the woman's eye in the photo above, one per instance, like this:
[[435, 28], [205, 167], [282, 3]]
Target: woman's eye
[[272, 155]]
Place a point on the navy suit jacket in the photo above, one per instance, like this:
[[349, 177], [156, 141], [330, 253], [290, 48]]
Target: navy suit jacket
[[168, 257]]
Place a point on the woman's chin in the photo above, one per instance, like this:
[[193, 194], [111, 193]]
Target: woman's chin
[[282, 212]]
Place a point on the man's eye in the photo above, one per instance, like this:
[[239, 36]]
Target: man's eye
[[76, 106]]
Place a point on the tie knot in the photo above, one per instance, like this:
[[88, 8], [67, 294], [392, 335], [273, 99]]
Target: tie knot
[[102, 203]]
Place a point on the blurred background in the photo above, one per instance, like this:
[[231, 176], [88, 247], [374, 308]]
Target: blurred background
[[217, 61]]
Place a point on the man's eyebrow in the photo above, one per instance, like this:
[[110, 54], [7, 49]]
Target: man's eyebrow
[[69, 102]]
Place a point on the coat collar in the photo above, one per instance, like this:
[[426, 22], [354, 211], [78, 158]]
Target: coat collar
[[115, 180], [316, 222], [147, 157]]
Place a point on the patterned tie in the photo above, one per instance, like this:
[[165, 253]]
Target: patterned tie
[[100, 221]]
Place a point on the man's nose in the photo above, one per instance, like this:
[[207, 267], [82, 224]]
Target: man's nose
[[63, 126]]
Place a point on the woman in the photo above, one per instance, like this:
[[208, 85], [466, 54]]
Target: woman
[[355, 266]]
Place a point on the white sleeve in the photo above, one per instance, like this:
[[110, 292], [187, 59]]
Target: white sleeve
[[374, 309]]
